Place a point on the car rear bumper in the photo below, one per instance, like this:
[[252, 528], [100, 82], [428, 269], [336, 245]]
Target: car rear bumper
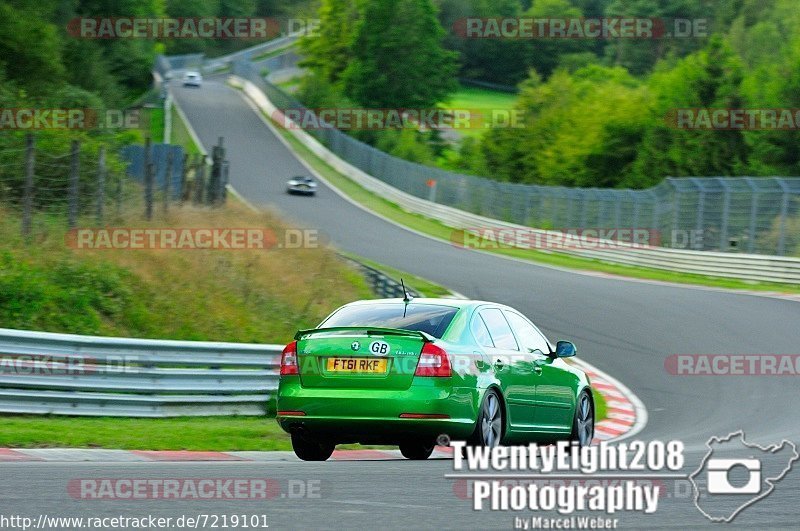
[[373, 415]]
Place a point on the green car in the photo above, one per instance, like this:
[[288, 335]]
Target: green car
[[403, 371]]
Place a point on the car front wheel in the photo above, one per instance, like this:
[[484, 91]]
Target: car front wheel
[[583, 422], [489, 430]]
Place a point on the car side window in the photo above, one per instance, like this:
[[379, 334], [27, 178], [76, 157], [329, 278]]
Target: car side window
[[499, 329], [530, 339], [480, 332]]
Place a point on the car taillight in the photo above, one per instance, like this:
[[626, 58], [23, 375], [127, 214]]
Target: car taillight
[[433, 361], [289, 359]]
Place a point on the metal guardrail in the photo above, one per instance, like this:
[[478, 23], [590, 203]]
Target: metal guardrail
[[65, 374], [164, 65], [220, 63], [754, 267]]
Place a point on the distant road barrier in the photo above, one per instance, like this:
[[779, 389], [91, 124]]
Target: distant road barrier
[[164, 65], [755, 267], [65, 374]]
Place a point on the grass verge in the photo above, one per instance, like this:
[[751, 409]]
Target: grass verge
[[180, 134], [600, 405], [182, 433], [419, 284], [153, 123], [439, 230], [484, 102]]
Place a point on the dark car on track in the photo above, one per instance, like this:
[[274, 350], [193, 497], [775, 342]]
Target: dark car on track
[[301, 186]]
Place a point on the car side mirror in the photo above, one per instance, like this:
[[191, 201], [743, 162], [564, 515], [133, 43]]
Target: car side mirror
[[565, 349]]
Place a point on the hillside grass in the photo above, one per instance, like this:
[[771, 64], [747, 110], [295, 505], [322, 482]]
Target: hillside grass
[[180, 134], [259, 296]]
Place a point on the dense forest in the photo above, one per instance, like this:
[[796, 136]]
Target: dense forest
[[42, 61], [596, 112], [44, 65]]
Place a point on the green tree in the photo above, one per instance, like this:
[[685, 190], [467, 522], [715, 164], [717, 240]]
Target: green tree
[[544, 55], [327, 52], [580, 129], [397, 56], [640, 55], [494, 60], [710, 78], [30, 49]]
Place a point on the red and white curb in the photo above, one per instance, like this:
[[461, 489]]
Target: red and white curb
[[625, 414], [78, 455]]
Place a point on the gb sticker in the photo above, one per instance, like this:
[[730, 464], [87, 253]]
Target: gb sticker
[[379, 348]]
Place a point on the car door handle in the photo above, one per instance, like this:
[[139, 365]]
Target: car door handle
[[537, 368]]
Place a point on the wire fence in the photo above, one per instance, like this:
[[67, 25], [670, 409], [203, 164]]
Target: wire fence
[[83, 184], [731, 214]]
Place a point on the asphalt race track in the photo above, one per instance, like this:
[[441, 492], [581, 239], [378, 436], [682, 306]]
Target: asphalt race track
[[625, 328]]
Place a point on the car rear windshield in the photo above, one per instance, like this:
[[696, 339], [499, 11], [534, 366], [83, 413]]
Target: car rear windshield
[[432, 319]]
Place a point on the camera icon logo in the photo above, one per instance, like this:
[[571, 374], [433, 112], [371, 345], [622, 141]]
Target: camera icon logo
[[719, 481], [735, 474]]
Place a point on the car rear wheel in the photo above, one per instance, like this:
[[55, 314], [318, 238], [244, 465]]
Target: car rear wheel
[[583, 423], [416, 450], [309, 449], [489, 430]]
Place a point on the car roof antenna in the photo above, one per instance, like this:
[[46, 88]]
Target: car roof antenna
[[406, 296]]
